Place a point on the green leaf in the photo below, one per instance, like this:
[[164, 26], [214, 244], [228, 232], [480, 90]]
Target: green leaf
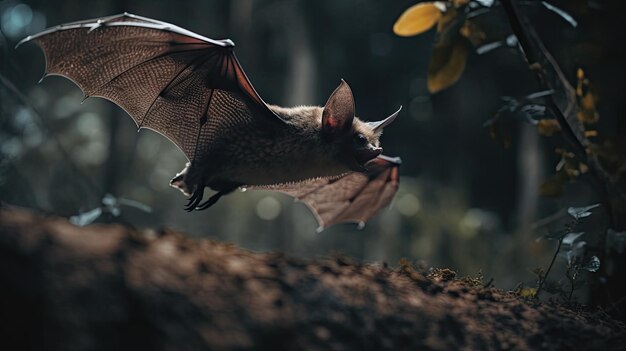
[[581, 212]]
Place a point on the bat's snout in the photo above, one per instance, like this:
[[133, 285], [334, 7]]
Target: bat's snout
[[367, 153]]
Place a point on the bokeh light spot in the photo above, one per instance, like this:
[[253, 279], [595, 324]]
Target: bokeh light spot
[[268, 208]]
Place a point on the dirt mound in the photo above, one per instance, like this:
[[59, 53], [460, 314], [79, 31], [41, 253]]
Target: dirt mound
[[110, 287]]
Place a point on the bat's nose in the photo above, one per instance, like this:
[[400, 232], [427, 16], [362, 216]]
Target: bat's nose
[[367, 153]]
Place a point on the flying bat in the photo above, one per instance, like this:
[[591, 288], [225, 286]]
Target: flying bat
[[192, 90]]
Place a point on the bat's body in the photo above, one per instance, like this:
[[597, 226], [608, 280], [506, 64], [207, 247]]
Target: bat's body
[[280, 152], [193, 90]]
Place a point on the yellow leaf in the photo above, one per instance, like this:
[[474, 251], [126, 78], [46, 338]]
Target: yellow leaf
[[528, 292], [571, 172], [447, 64], [417, 19], [548, 127], [447, 19], [588, 102], [582, 81], [583, 168], [473, 32], [587, 112], [591, 133], [587, 109]]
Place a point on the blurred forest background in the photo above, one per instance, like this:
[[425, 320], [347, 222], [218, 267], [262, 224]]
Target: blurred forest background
[[465, 201]]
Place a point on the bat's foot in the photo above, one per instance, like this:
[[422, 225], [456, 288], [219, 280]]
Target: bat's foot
[[179, 182], [210, 202], [195, 198]]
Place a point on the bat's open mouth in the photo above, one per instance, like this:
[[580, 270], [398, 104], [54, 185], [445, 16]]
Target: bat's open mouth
[[366, 154]]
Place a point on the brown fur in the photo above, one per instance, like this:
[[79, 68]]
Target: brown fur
[[293, 151]]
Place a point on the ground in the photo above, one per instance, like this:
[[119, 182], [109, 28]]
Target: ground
[[112, 287]]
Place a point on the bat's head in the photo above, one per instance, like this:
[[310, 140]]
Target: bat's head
[[354, 142]]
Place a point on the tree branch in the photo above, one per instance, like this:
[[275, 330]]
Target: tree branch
[[541, 63]]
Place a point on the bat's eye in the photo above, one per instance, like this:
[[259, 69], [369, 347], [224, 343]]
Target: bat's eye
[[360, 140]]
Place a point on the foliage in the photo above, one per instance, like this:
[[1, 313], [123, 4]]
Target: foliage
[[558, 109], [456, 34], [572, 251], [110, 206], [571, 167]]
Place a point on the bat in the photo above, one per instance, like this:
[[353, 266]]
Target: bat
[[192, 90]]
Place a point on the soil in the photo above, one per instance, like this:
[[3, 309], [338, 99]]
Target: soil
[[110, 287]]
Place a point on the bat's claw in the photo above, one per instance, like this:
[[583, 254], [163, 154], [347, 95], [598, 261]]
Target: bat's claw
[[195, 199], [210, 202]]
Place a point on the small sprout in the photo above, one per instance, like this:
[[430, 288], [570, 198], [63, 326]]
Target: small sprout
[[581, 212], [592, 265], [110, 205]]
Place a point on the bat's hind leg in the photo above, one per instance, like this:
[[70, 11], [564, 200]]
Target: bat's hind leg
[[195, 198], [225, 189], [191, 182]]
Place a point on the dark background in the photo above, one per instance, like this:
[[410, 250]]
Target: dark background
[[465, 201]]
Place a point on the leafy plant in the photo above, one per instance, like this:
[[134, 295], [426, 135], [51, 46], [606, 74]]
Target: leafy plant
[[111, 205], [574, 252], [557, 108]]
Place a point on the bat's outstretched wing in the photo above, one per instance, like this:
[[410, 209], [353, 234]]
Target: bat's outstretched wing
[[354, 197], [166, 78]]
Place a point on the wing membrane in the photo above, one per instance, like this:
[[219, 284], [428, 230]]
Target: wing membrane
[[165, 77], [354, 197]]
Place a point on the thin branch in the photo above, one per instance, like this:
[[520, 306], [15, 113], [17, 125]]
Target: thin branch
[[538, 57], [545, 276]]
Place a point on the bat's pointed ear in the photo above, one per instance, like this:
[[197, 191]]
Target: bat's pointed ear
[[379, 125], [338, 113]]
